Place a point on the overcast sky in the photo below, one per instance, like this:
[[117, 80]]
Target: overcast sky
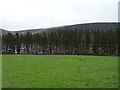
[[33, 14]]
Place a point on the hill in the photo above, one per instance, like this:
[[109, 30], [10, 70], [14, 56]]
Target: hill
[[2, 31], [86, 26]]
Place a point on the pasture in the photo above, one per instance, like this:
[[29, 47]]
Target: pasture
[[59, 71]]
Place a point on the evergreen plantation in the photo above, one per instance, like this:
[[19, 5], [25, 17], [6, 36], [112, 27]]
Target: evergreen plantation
[[71, 42]]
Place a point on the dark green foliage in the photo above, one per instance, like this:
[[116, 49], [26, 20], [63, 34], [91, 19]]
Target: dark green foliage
[[72, 42]]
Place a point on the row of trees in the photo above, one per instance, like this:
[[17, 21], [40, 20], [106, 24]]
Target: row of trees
[[73, 42]]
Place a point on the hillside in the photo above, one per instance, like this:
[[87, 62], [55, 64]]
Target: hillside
[[2, 31], [87, 26]]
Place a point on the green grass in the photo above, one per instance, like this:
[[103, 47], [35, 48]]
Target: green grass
[[59, 71]]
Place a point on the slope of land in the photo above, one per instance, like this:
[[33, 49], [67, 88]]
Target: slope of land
[[86, 26]]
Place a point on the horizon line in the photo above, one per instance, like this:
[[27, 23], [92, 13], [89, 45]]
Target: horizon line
[[61, 25]]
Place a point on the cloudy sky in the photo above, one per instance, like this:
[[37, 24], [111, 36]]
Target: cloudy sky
[[33, 14]]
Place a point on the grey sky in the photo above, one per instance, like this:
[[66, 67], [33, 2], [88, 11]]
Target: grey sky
[[31, 14]]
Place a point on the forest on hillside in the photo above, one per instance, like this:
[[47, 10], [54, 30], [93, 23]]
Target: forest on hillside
[[70, 42]]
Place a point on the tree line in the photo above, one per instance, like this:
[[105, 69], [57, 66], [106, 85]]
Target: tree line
[[71, 42]]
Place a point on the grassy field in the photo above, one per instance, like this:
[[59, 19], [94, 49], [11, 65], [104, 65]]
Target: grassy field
[[59, 71]]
